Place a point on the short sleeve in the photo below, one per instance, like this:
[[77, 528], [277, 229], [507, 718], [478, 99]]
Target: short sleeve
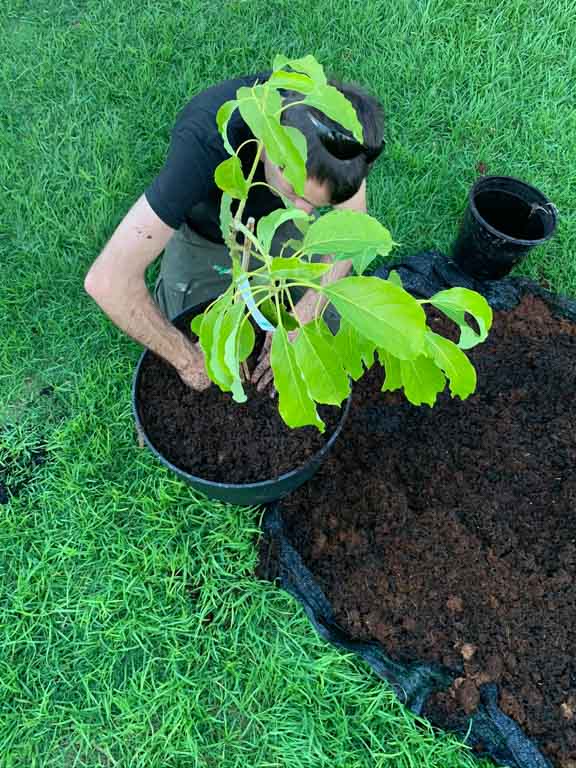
[[186, 178]]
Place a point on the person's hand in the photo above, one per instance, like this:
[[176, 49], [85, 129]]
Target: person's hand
[[263, 376], [192, 370]]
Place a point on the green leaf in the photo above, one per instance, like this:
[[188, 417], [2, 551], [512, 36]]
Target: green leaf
[[222, 119], [307, 65], [286, 147], [422, 380], [303, 226], [223, 377], [246, 340], [331, 102], [382, 312], [207, 333], [230, 335], [260, 107], [280, 61], [226, 219], [354, 350], [230, 179], [268, 225], [454, 363], [322, 370], [294, 402], [268, 309], [391, 365], [361, 261], [292, 81], [395, 278], [294, 269], [455, 303], [196, 324], [295, 156], [346, 234]]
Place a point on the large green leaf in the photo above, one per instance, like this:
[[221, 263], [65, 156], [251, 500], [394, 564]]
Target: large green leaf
[[361, 261], [196, 324], [223, 326], [450, 358], [455, 303], [230, 179], [295, 156], [231, 330], [382, 312], [422, 380], [295, 269], [260, 107], [268, 225], [270, 312], [206, 331], [294, 402], [354, 350], [347, 233], [322, 370], [246, 339], [307, 64], [331, 102], [391, 365], [292, 81], [286, 147], [223, 118]]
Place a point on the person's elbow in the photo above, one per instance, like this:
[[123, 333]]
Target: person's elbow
[[98, 283]]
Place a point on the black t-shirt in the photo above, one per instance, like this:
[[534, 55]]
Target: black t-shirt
[[184, 190]]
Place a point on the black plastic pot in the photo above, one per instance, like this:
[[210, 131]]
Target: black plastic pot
[[504, 220], [246, 494]]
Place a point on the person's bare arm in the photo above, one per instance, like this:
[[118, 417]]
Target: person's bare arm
[[116, 282]]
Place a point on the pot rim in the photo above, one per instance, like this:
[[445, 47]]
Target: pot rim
[[260, 484], [477, 186]]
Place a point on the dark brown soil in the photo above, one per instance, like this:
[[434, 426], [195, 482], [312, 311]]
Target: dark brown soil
[[449, 534], [209, 435]]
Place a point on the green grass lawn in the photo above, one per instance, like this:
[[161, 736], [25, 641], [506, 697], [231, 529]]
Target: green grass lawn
[[132, 632]]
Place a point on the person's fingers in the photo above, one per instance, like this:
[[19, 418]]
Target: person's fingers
[[265, 380], [197, 380], [261, 368]]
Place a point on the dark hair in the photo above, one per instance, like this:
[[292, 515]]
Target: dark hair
[[344, 177]]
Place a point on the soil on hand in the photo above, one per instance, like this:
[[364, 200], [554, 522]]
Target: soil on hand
[[210, 436], [449, 534]]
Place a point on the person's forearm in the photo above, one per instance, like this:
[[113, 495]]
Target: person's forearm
[[312, 303], [130, 307]]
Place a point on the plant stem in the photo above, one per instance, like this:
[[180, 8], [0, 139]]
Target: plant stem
[[240, 211], [248, 141], [247, 246]]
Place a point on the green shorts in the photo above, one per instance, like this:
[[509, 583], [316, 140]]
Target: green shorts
[[188, 275]]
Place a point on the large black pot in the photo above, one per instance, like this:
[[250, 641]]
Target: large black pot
[[505, 219], [246, 494]]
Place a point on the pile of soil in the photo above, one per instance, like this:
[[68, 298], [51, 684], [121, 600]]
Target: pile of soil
[[209, 435], [449, 534]]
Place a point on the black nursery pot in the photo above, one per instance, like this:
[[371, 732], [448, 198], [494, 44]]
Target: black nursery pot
[[243, 494], [504, 220]]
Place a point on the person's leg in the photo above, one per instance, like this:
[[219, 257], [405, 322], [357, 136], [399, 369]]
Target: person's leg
[[187, 275]]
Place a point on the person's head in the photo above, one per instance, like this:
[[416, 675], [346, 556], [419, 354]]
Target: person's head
[[336, 165]]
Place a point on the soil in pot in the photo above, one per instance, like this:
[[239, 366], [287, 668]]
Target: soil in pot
[[449, 534], [210, 436]]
